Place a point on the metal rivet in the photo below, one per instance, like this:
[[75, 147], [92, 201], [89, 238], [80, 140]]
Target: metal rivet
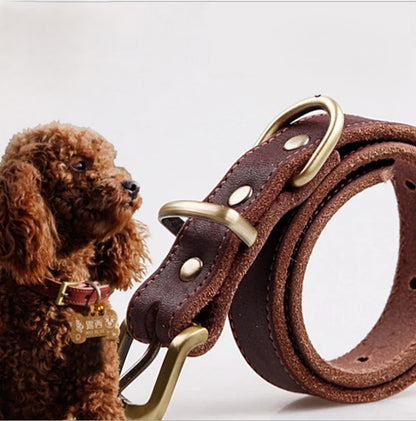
[[240, 195], [191, 269], [296, 142]]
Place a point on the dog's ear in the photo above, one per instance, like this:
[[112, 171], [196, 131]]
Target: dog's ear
[[122, 258], [27, 230]]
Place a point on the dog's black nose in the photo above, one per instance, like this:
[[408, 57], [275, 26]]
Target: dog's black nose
[[132, 187]]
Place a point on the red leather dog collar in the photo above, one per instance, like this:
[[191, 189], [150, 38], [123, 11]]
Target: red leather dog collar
[[260, 286], [74, 294]]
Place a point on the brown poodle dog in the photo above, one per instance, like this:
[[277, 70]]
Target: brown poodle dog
[[65, 214]]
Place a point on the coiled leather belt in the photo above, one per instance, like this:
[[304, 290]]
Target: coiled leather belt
[[218, 269]]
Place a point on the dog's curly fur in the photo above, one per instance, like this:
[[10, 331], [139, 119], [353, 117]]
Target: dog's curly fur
[[64, 215]]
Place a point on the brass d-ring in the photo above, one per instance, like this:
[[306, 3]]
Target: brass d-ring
[[97, 290], [328, 142], [169, 213]]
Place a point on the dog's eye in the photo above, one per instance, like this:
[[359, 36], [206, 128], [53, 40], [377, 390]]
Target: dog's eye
[[79, 166]]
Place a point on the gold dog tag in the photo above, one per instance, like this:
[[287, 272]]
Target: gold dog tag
[[99, 322]]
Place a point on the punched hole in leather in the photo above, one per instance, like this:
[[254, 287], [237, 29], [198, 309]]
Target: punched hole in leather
[[261, 286]]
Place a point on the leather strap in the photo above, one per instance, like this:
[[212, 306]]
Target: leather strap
[[261, 286], [81, 295]]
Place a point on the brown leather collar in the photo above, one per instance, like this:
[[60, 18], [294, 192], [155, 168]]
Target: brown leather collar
[[80, 295], [260, 287]]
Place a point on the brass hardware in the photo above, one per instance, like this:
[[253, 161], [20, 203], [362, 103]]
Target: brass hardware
[[328, 142], [169, 373], [240, 195], [191, 269], [94, 307], [124, 343], [168, 216], [141, 365], [296, 142], [62, 292]]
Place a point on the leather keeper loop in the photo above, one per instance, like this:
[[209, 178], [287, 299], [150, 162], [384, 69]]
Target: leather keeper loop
[[261, 286]]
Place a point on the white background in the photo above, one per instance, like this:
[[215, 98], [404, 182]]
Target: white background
[[184, 89]]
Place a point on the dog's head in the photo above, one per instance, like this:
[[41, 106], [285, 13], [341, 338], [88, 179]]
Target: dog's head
[[60, 191]]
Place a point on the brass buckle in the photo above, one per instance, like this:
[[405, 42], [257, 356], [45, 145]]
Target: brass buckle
[[62, 292], [328, 142], [168, 216], [169, 373]]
